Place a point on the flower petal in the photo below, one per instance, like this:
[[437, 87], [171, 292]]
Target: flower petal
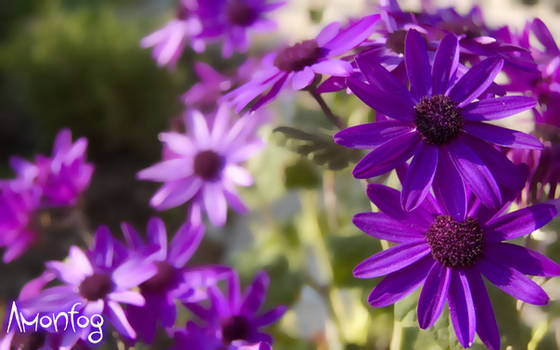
[[351, 36], [486, 325], [238, 175], [302, 78], [177, 143], [175, 193], [333, 67], [167, 170], [399, 284], [384, 227], [157, 235], [215, 203], [449, 187], [512, 282], [526, 261], [497, 108], [119, 321], [461, 309], [520, 222], [392, 259], [372, 134], [502, 136], [433, 295], [184, 243], [419, 176], [445, 63], [476, 81], [417, 64], [128, 297], [255, 294]]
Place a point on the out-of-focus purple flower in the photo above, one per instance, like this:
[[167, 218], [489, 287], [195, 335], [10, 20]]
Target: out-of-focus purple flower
[[170, 40], [231, 320], [172, 281], [439, 123], [97, 283], [544, 172], [448, 252], [297, 65], [202, 166], [231, 20]]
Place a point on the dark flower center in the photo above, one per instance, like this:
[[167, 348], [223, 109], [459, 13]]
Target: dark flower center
[[208, 164], [29, 341], [161, 280], [298, 56], [235, 328], [438, 119], [183, 13], [241, 14], [455, 244], [395, 41], [96, 286]]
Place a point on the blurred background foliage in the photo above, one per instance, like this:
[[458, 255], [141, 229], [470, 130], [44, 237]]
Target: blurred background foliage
[[77, 64]]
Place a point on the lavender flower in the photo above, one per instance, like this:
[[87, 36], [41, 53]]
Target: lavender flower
[[231, 320], [172, 281], [438, 123], [447, 252], [97, 282], [298, 64], [202, 165]]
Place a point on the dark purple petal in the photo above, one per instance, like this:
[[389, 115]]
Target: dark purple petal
[[184, 243], [476, 81], [393, 104], [384, 227], [417, 64], [386, 156], [526, 261], [392, 259], [372, 134], [502, 136], [352, 36], [399, 284], [270, 317], [449, 187], [157, 235], [433, 295], [513, 282], [475, 173], [461, 309], [497, 108], [445, 63], [131, 236], [272, 93], [543, 34], [486, 325], [519, 223], [255, 294], [419, 176], [332, 84]]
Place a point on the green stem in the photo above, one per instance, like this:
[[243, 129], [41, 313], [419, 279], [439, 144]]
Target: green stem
[[328, 112]]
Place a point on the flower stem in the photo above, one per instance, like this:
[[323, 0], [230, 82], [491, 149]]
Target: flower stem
[[328, 112]]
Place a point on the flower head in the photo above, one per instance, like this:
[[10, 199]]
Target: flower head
[[202, 165], [297, 65], [231, 320], [439, 123], [448, 253]]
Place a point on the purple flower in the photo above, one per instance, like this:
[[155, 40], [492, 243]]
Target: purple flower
[[231, 320], [231, 20], [97, 282], [448, 252], [297, 65], [172, 281], [201, 166], [438, 123], [169, 41]]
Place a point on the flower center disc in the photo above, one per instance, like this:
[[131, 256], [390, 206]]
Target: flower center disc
[[297, 57], [183, 13], [161, 280], [235, 328], [208, 164], [455, 244], [96, 286], [438, 119], [241, 14], [395, 41]]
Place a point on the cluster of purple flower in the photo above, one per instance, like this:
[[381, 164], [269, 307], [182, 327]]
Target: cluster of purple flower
[[55, 181]]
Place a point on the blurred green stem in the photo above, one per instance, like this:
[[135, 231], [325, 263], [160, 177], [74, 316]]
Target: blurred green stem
[[328, 112]]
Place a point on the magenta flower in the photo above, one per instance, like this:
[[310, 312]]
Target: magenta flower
[[439, 123], [448, 253], [97, 283], [297, 65], [202, 166], [231, 320]]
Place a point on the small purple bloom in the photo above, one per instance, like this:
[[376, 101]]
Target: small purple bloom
[[439, 123], [297, 65], [231, 320], [201, 166], [97, 283], [448, 252]]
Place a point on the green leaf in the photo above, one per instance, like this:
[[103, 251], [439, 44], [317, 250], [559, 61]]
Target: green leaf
[[301, 174], [319, 147]]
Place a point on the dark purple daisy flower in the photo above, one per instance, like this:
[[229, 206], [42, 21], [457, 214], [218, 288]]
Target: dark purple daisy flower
[[297, 65], [232, 20], [172, 281], [231, 320], [97, 284], [448, 252], [202, 166], [439, 123], [195, 337]]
